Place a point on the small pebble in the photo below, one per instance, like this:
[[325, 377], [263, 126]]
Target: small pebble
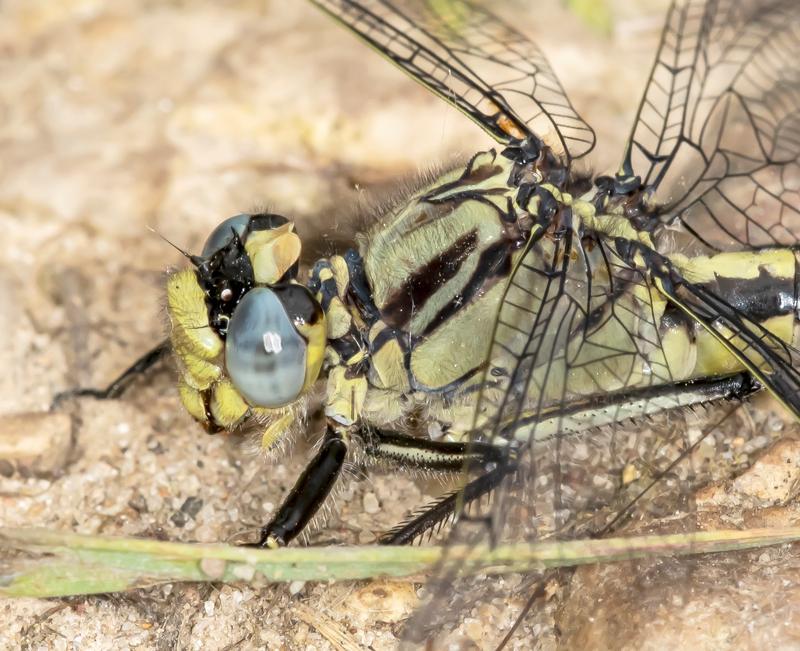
[[366, 537], [371, 504], [191, 506], [213, 568], [6, 468], [384, 601], [630, 474], [138, 503], [244, 572], [474, 629], [35, 443]]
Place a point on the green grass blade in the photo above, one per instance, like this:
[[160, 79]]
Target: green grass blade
[[43, 563]]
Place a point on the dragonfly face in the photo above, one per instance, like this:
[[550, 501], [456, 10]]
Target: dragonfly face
[[245, 335]]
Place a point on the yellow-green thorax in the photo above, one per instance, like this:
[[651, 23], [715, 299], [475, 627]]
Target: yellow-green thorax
[[437, 272]]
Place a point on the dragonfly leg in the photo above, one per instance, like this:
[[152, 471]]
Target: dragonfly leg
[[492, 463], [308, 492], [416, 453], [121, 383], [449, 506]]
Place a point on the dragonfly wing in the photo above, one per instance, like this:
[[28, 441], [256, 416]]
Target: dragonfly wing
[[578, 322], [716, 140], [578, 325], [474, 61]]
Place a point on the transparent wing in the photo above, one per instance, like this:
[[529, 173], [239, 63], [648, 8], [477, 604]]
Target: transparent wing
[[577, 322], [474, 61], [583, 331], [716, 144], [579, 328], [717, 136]]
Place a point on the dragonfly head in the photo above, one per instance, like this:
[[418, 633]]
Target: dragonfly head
[[245, 333]]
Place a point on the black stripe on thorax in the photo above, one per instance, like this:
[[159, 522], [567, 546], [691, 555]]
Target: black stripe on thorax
[[421, 285], [494, 262]]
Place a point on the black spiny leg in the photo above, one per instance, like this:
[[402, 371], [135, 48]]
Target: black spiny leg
[[439, 512], [308, 493], [492, 461], [118, 386]]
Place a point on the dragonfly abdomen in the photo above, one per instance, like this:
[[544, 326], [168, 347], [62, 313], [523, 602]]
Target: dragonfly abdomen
[[643, 353], [760, 286]]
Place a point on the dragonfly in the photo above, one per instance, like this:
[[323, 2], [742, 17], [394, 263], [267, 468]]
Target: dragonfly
[[515, 304]]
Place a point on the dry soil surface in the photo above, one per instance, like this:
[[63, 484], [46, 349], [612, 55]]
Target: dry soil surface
[[120, 119]]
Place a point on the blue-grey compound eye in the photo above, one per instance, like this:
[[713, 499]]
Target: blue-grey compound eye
[[264, 354], [222, 234]]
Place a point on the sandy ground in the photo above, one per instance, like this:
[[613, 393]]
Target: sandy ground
[[117, 119]]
